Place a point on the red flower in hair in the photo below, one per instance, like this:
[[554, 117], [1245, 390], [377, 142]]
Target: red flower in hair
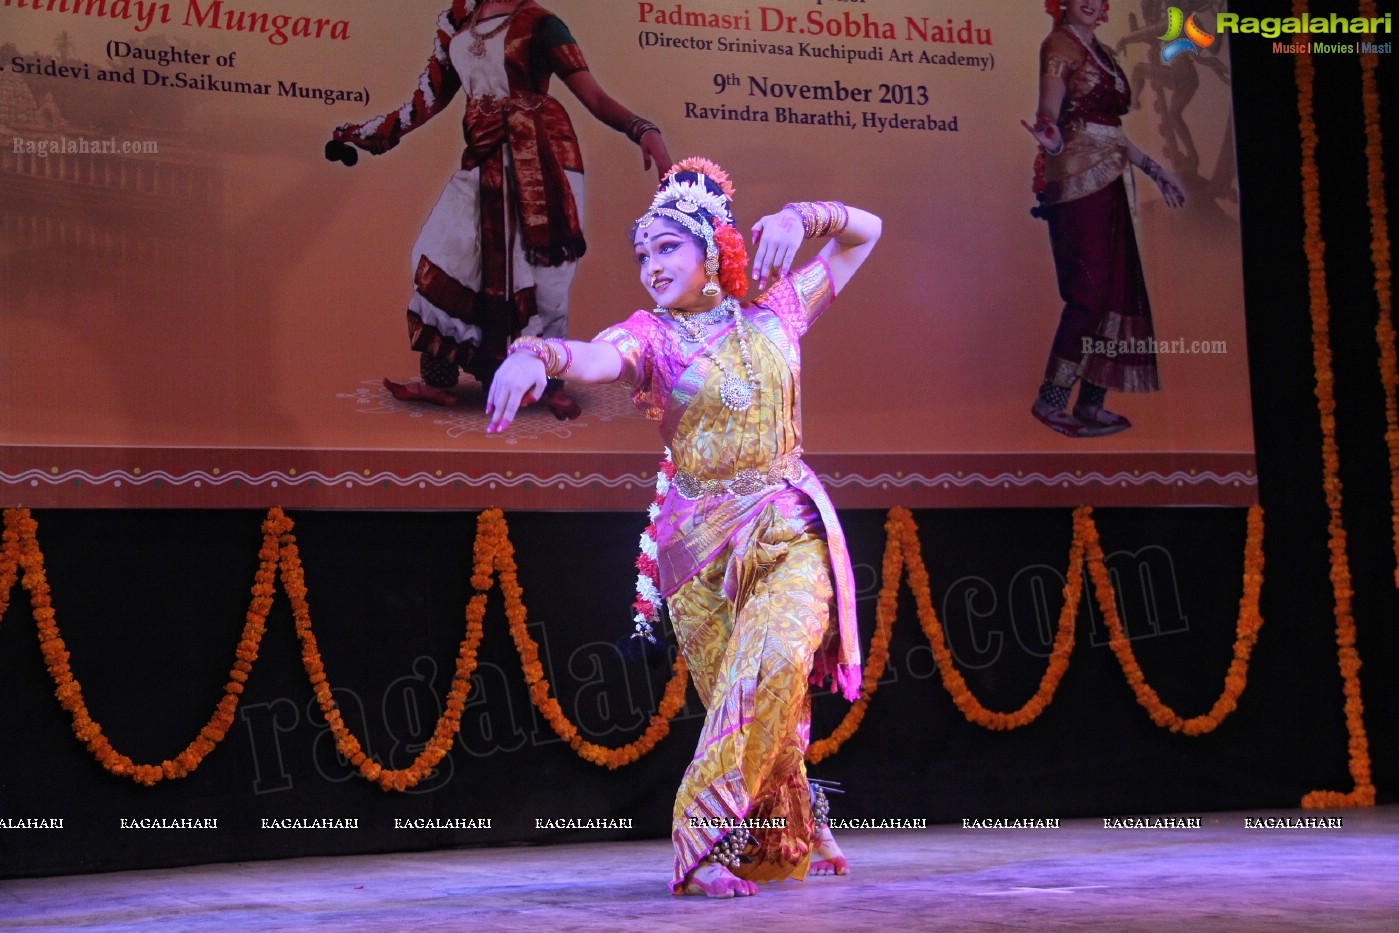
[[733, 260]]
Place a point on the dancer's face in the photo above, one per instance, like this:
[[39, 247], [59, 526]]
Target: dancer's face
[[671, 266], [1083, 13]]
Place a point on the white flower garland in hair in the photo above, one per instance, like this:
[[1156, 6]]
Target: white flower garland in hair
[[685, 193]]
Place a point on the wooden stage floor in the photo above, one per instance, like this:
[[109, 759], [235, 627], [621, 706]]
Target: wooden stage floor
[[1223, 876]]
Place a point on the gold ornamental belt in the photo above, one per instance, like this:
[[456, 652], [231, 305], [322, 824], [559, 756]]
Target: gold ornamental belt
[[744, 482]]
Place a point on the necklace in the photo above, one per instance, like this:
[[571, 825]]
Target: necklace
[[1089, 45], [735, 392], [478, 39], [694, 328]]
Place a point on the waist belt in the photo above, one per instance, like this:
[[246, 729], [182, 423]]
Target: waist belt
[[744, 482], [1100, 131]]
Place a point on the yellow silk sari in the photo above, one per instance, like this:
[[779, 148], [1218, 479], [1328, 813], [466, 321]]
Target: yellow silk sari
[[758, 580]]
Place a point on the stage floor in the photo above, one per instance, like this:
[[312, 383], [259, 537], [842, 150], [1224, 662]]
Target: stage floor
[[1223, 876]]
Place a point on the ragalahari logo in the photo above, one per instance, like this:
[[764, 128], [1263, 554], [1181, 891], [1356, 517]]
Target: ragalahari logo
[[1182, 35]]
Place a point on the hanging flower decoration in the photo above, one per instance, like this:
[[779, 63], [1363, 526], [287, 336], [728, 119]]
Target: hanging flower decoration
[[22, 550], [902, 553], [492, 525], [349, 746], [21, 559], [647, 606], [1315, 249], [1380, 247], [1246, 634]]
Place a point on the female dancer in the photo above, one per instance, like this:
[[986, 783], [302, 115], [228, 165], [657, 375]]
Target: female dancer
[[499, 249], [1105, 333], [752, 559]]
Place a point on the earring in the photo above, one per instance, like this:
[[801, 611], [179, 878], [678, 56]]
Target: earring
[[711, 269]]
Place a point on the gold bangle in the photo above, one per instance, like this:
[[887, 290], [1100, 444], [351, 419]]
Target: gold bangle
[[553, 352], [806, 211], [821, 218]]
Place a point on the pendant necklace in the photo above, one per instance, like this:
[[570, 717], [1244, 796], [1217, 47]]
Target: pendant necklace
[[734, 391], [478, 39]]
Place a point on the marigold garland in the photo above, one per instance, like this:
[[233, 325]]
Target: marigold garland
[[494, 554], [9, 557], [22, 551], [1250, 621], [492, 526], [1315, 247], [21, 559], [448, 724], [904, 552], [1380, 256]]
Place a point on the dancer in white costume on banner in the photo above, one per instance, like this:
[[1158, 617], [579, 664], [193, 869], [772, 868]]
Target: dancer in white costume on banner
[[495, 258]]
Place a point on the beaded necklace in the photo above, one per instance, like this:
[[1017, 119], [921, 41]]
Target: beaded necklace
[[1108, 68], [694, 328]]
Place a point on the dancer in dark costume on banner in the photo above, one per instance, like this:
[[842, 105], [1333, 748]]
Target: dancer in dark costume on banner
[[1105, 337], [497, 254]]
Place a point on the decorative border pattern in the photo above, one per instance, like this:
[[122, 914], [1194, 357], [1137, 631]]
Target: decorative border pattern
[[1062, 479], [226, 478]]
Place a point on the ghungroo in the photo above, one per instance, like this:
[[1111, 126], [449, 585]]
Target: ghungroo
[[820, 806], [728, 851]]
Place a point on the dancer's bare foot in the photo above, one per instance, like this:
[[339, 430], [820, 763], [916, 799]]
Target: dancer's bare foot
[[418, 391], [828, 859], [711, 879]]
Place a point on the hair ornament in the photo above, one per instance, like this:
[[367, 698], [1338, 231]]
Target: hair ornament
[[692, 197], [696, 205], [709, 169]]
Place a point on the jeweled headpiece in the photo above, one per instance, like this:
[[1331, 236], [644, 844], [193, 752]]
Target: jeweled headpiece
[[699, 203]]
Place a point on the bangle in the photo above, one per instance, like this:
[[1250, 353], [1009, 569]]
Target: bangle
[[553, 352], [1153, 170], [821, 218], [638, 127], [842, 217]]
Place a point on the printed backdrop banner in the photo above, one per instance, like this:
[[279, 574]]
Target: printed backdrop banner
[[199, 309]]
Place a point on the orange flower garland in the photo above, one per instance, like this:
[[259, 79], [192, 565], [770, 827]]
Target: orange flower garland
[[1058, 658], [448, 724], [494, 554], [1379, 254], [903, 550], [20, 557], [9, 556], [1364, 792], [492, 526], [1246, 635], [20, 541]]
